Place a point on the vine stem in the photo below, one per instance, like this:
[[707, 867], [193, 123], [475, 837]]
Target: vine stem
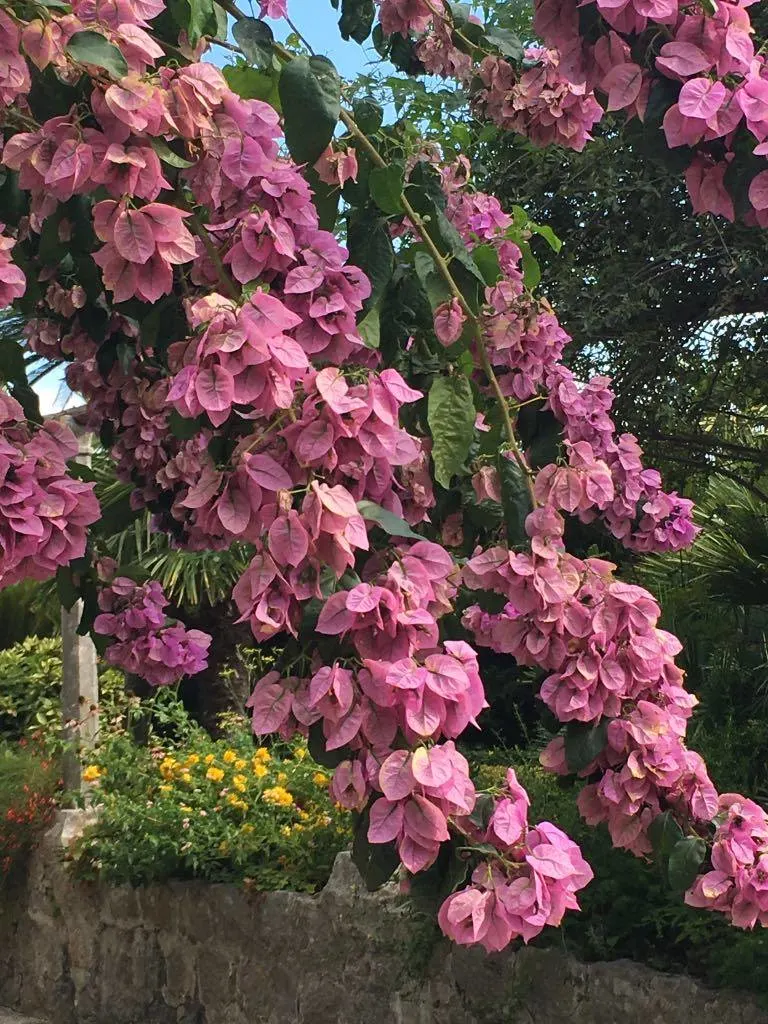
[[215, 257], [445, 271]]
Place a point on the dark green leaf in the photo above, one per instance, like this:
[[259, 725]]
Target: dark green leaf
[[386, 187], [548, 235], [370, 246], [429, 888], [515, 498], [255, 39], [583, 743], [368, 115], [181, 426], [356, 19], [310, 94], [93, 48], [664, 833], [540, 433], [531, 268], [482, 811], [80, 471], [376, 862], [325, 197], [11, 361], [433, 283], [388, 521], [65, 587], [196, 17], [168, 156], [684, 862], [451, 418]]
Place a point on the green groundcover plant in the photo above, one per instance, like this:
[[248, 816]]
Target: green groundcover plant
[[220, 810]]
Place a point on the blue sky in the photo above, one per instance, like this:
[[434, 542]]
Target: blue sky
[[317, 21]]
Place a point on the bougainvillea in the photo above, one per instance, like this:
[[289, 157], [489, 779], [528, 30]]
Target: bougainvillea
[[336, 408]]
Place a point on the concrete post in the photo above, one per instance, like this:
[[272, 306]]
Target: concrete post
[[80, 682]]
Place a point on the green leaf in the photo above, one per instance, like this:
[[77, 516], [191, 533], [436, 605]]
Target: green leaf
[[386, 187], [167, 155], [368, 115], [369, 328], [316, 747], [310, 94], [583, 743], [94, 48], [487, 259], [684, 862], [12, 361], [505, 41], [433, 283], [431, 887], [251, 84], [548, 235], [531, 268], [356, 19], [256, 39], [540, 433], [664, 833], [388, 521], [515, 498], [80, 471], [196, 17], [376, 862], [451, 418]]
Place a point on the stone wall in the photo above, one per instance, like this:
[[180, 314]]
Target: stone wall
[[192, 953]]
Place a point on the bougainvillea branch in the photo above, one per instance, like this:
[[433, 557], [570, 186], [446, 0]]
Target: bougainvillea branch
[[337, 410]]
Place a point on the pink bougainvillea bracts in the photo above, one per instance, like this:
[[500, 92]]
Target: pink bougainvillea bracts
[[254, 386]]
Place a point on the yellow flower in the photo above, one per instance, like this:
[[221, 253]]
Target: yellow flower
[[91, 773], [278, 796], [300, 753], [262, 755], [247, 828], [166, 789], [282, 777], [186, 777], [224, 847], [298, 828], [209, 758], [320, 779], [240, 764], [239, 782], [214, 774], [229, 757], [192, 760], [184, 807], [285, 830], [303, 815], [259, 770]]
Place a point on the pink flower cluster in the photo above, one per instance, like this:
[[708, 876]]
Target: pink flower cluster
[[44, 512], [541, 103], [724, 81], [12, 281], [529, 887], [145, 643], [737, 885], [632, 503], [599, 640], [14, 73]]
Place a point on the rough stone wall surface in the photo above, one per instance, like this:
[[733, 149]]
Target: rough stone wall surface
[[192, 953]]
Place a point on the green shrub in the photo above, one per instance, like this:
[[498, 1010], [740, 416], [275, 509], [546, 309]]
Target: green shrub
[[193, 807], [30, 689]]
